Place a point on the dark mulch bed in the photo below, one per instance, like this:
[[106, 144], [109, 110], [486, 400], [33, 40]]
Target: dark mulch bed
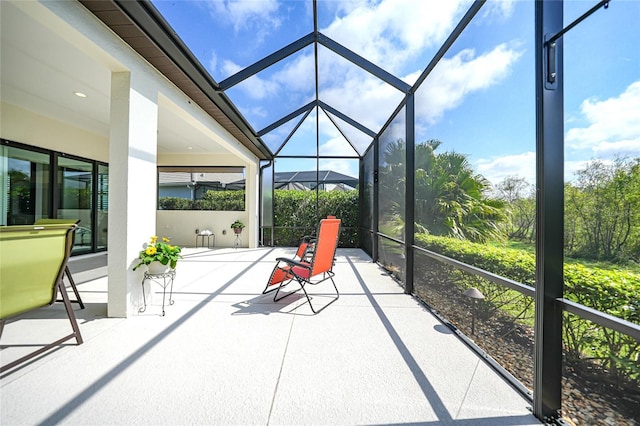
[[589, 398]]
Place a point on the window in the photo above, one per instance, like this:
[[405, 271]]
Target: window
[[25, 177], [201, 188], [75, 191], [42, 184]]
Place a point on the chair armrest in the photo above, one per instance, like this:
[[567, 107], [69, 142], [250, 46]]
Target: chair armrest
[[292, 262], [308, 238]]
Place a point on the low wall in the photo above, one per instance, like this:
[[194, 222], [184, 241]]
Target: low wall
[[180, 226]]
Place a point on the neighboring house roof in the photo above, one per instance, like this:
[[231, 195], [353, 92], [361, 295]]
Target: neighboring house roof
[[297, 180], [322, 177], [165, 179]]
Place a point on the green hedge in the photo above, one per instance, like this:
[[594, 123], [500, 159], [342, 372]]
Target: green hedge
[[212, 200], [294, 211], [509, 263], [611, 291], [295, 214]]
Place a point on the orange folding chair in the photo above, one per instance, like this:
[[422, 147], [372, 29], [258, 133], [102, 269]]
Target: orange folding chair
[[314, 270]]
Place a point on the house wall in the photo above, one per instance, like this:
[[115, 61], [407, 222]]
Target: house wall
[[137, 91], [180, 225], [21, 125]]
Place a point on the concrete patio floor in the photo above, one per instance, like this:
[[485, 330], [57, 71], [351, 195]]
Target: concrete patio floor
[[226, 354]]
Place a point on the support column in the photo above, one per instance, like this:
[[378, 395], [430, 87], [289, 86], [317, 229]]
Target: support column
[[376, 198], [547, 388], [410, 195], [133, 143], [251, 201]]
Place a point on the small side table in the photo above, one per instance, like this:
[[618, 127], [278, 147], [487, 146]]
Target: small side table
[[165, 280], [208, 236]]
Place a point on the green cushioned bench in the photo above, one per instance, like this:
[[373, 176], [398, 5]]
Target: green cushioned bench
[[32, 263]]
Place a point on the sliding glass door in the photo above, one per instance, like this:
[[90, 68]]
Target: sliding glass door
[[40, 184], [102, 207], [25, 179], [75, 198]]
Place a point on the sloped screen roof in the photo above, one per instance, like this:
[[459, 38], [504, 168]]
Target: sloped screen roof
[[329, 73]]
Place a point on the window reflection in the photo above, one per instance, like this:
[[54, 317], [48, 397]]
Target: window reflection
[[25, 177], [102, 207], [75, 189]]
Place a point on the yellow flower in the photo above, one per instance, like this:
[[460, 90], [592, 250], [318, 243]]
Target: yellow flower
[[160, 251]]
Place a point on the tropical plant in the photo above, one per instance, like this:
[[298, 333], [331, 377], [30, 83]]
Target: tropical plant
[[159, 251], [450, 199], [237, 224]]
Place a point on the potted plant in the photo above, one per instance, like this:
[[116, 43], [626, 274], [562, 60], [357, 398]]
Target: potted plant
[[159, 255], [237, 226]]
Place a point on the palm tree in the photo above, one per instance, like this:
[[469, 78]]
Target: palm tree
[[449, 197], [392, 188]]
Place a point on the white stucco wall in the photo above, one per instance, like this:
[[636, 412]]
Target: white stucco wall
[[21, 125], [180, 226]]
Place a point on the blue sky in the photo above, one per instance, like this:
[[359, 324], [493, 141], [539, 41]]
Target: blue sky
[[479, 100]]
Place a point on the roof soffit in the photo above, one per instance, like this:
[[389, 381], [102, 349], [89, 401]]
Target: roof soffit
[[188, 76]]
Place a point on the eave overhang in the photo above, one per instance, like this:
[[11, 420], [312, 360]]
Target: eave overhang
[[142, 27]]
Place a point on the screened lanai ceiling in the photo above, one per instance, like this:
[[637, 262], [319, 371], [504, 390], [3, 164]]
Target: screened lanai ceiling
[[314, 78]]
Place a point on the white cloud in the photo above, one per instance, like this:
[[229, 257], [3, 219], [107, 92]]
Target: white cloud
[[254, 87], [391, 32], [623, 148], [498, 9], [255, 111], [346, 167], [356, 139], [298, 75], [496, 169], [613, 125], [337, 146], [571, 167], [365, 99], [456, 77], [213, 63], [230, 68], [259, 16], [295, 78]]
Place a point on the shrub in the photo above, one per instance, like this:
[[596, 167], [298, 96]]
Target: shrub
[[611, 291], [295, 214], [225, 200], [174, 203], [212, 200], [294, 211]]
